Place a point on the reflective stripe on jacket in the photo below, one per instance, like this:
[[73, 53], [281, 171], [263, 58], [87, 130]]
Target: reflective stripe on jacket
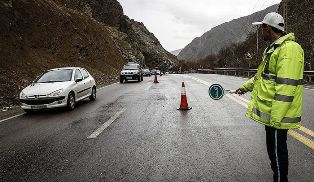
[[277, 87]]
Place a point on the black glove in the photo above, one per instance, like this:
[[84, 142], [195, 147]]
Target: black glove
[[240, 91]]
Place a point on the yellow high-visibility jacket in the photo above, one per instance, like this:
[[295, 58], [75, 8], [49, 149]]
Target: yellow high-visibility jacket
[[277, 88]]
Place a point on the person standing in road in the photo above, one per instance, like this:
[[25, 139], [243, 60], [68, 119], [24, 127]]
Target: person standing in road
[[277, 91]]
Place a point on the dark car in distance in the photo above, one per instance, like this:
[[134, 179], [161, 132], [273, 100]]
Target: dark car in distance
[[147, 72], [131, 71]]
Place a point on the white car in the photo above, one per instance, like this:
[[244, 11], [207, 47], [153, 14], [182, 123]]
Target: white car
[[60, 87]]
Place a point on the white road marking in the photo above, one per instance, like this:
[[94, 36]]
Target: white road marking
[[107, 86], [106, 124], [237, 100], [199, 80], [148, 87], [240, 98], [12, 117]]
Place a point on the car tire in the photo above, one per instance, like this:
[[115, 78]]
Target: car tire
[[71, 101], [121, 80], [92, 97]]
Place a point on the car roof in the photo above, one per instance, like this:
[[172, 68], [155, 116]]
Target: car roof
[[132, 63], [65, 68]]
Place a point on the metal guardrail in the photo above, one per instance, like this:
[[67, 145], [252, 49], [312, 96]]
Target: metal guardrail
[[308, 75]]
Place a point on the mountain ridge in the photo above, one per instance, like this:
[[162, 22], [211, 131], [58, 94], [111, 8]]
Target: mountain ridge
[[223, 35], [300, 21], [176, 52]]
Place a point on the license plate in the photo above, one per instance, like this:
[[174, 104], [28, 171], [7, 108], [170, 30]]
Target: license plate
[[39, 107], [129, 77]]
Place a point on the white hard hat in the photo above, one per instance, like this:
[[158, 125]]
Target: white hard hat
[[274, 20]]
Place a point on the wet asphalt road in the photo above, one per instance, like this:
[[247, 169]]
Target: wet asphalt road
[[150, 140]]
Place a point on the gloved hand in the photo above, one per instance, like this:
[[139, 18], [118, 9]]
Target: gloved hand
[[240, 91]]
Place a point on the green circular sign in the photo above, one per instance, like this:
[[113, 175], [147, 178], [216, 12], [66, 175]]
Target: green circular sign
[[216, 91]]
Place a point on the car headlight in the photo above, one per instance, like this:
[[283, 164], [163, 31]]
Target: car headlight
[[55, 93], [23, 96]]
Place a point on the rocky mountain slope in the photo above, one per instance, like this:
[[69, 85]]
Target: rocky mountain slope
[[300, 22], [222, 36], [132, 38], [41, 34]]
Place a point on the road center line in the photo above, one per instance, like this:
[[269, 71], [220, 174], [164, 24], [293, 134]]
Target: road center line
[[106, 124], [237, 100], [307, 131], [244, 102], [240, 98], [302, 139]]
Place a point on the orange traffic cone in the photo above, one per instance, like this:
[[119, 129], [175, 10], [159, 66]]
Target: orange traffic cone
[[155, 80], [184, 101]]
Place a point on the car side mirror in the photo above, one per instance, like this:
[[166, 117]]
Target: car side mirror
[[78, 79]]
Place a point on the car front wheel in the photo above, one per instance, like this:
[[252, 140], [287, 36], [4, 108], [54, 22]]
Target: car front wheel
[[71, 101], [92, 97]]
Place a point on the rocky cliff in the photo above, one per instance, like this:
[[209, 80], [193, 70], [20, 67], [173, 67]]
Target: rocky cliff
[[109, 12], [222, 36], [132, 38]]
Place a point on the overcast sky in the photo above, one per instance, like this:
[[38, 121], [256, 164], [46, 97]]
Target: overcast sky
[[177, 22]]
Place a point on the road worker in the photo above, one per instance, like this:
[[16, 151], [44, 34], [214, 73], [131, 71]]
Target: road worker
[[276, 100]]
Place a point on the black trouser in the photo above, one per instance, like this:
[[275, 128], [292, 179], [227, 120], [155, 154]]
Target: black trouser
[[276, 141]]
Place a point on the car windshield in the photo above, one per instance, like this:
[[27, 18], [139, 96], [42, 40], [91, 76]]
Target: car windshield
[[130, 67], [62, 75]]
